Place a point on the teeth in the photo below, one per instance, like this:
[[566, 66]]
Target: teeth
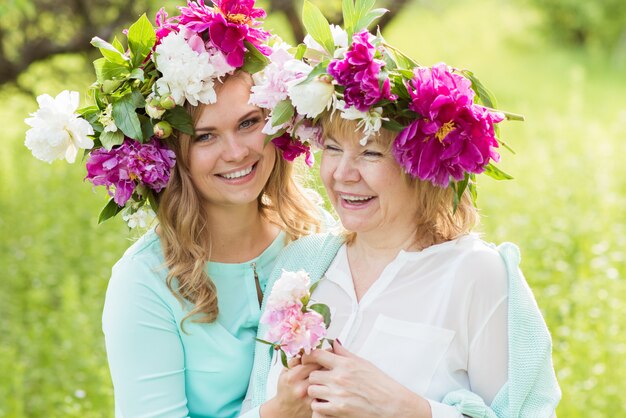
[[355, 198], [238, 174]]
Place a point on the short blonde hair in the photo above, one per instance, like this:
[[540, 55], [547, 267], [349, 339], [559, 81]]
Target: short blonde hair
[[436, 220]]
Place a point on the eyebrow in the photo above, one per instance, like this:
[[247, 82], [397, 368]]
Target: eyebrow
[[241, 119]]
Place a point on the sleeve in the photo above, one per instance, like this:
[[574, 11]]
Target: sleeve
[[144, 349]]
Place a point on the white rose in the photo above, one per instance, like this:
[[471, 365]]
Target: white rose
[[57, 132], [312, 97]]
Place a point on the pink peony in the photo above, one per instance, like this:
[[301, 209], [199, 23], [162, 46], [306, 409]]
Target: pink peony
[[229, 24], [292, 148], [128, 165], [358, 72], [164, 25], [454, 135], [294, 330]]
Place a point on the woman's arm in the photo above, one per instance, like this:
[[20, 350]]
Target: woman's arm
[[144, 348]]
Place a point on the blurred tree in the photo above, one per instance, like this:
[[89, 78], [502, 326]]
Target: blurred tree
[[598, 23], [34, 30]]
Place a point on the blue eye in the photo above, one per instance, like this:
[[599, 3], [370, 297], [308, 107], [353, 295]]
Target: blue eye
[[248, 123], [204, 137]]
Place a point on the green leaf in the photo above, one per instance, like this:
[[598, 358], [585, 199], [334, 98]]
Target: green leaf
[[360, 11], [365, 21], [300, 51], [126, 118], [107, 70], [349, 20], [461, 186], [283, 359], [495, 173], [318, 70], [110, 210], [323, 310], [484, 95], [392, 125], [111, 139], [141, 40], [118, 45], [314, 286], [473, 190], [180, 120], [147, 127], [137, 74], [253, 60], [317, 26], [282, 112], [137, 99], [109, 51]]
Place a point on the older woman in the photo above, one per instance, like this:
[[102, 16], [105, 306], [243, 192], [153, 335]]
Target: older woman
[[428, 319]]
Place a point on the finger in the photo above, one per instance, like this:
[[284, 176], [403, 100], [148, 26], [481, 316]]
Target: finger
[[324, 358], [302, 372], [306, 358], [319, 392], [294, 361], [340, 350], [320, 377], [322, 408]]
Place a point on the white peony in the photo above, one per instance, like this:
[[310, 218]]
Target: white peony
[[141, 218], [311, 98], [57, 132], [270, 85], [289, 288], [187, 75]]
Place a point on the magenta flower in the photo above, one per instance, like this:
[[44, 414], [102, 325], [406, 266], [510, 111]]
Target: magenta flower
[[292, 148], [164, 25], [229, 24], [121, 169], [454, 135], [358, 72]]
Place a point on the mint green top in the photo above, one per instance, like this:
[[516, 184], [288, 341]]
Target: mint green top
[[157, 369]]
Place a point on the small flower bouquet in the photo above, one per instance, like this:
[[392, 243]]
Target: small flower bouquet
[[295, 327]]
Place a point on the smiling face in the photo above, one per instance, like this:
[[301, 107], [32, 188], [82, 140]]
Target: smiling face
[[229, 162], [366, 186]]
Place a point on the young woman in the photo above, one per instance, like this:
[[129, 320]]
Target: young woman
[[183, 303]]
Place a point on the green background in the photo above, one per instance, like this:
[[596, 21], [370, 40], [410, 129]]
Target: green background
[[565, 209]]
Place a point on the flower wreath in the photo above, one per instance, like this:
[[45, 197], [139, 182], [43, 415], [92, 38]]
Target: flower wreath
[[138, 98], [445, 118]]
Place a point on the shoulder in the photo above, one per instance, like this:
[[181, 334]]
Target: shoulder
[[141, 267], [480, 267], [312, 244]]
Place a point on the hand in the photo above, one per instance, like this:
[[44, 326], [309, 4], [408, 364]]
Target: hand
[[349, 386], [291, 400]]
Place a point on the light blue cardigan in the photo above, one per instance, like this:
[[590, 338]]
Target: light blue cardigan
[[531, 391]]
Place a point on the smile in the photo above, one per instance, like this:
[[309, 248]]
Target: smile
[[238, 174], [354, 199]]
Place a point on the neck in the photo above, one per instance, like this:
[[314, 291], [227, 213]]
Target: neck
[[382, 247], [238, 233]]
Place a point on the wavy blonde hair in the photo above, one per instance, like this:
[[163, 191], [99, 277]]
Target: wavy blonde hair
[[184, 227], [436, 221]]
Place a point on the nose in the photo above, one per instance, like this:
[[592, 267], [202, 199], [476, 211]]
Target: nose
[[346, 170], [235, 149]]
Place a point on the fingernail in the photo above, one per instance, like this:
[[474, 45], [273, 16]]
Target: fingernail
[[338, 342]]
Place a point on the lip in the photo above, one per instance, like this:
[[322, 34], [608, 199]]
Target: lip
[[240, 180], [352, 206]]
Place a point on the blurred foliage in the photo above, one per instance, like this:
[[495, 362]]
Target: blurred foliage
[[565, 210], [598, 23]]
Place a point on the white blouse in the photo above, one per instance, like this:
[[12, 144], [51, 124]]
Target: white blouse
[[435, 320]]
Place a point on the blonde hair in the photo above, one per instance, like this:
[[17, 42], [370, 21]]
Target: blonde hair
[[184, 226], [436, 220]]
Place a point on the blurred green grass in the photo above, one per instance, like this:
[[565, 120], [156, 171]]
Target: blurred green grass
[[565, 210]]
